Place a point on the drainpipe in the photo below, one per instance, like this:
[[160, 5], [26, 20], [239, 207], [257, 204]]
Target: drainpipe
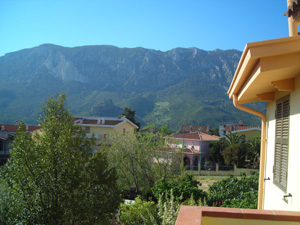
[[262, 148], [293, 29]]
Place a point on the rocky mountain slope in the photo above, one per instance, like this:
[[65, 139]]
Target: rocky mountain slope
[[180, 86]]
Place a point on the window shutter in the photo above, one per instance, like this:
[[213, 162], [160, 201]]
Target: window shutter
[[282, 142]]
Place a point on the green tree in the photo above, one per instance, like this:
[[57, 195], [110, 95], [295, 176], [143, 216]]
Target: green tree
[[253, 151], [235, 149], [215, 151], [164, 129], [183, 188], [141, 160], [139, 212], [214, 131], [54, 178], [234, 192], [130, 115]]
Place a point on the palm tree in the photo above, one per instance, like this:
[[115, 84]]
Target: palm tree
[[253, 152], [234, 149]]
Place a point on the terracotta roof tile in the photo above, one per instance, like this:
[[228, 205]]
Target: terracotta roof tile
[[234, 128], [89, 121], [112, 122], [14, 127], [193, 128], [199, 136]]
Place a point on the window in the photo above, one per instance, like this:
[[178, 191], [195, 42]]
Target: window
[[282, 116], [87, 129], [124, 131]]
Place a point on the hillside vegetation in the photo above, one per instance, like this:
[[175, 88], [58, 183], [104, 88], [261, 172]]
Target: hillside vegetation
[[180, 86]]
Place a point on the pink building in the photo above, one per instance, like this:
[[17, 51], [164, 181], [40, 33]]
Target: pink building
[[194, 145]]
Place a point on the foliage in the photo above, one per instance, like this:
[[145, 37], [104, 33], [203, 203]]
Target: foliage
[[183, 188], [214, 131], [139, 212], [130, 115], [141, 160], [164, 129], [165, 212], [235, 149], [54, 178], [215, 151], [248, 202], [168, 208], [253, 150], [235, 191]]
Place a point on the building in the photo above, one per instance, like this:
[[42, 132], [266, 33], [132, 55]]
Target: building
[[194, 145], [248, 131], [193, 128], [103, 127], [7, 134], [222, 128], [268, 71]]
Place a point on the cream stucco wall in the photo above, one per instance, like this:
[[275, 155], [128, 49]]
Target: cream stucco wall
[[273, 196], [128, 128], [250, 133], [100, 131], [230, 221]]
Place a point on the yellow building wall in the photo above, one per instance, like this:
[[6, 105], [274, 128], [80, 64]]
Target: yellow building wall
[[101, 132], [229, 221], [128, 128], [250, 134], [273, 196]]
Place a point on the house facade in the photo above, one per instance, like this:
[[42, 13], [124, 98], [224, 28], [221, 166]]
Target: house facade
[[193, 128], [103, 127], [194, 145], [247, 133], [7, 134], [268, 71]]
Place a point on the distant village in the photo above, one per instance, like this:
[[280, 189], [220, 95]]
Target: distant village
[[193, 141]]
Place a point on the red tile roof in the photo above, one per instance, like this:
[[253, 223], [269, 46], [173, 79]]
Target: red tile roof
[[198, 136], [85, 121], [193, 128], [192, 215], [112, 122], [14, 127], [234, 128]]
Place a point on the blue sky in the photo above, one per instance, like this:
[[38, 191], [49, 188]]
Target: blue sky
[[154, 24]]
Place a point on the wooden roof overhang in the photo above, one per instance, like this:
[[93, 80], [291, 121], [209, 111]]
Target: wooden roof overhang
[[266, 67]]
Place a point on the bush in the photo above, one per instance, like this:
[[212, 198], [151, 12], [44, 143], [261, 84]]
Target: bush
[[234, 192], [139, 212], [183, 189]]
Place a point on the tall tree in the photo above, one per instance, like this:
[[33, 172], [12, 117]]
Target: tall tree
[[54, 178], [253, 152], [235, 150], [141, 160], [130, 114]]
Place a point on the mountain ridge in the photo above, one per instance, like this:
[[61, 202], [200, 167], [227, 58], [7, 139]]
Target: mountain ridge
[[160, 86]]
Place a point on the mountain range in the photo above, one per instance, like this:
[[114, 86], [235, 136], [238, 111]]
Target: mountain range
[[176, 87]]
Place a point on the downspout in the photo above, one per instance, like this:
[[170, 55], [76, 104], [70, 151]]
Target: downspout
[[262, 148]]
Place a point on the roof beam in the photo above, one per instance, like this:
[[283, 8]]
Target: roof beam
[[268, 96], [284, 85]]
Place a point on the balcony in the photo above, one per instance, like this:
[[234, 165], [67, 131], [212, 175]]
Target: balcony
[[196, 215]]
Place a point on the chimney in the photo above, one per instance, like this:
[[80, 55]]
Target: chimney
[[292, 8], [2, 128], [17, 122], [26, 127]]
